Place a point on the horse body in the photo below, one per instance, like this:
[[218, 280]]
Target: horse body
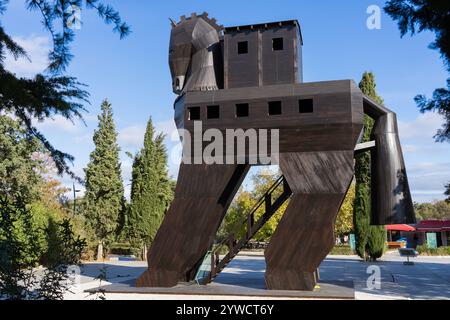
[[319, 128]]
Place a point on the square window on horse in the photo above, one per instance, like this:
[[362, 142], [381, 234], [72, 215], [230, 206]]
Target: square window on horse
[[194, 113], [274, 108], [305, 106], [213, 112], [277, 44], [242, 110], [242, 47]]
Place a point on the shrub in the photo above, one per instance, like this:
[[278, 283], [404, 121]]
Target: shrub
[[425, 251], [84, 230], [444, 251], [342, 250], [21, 251], [121, 249]]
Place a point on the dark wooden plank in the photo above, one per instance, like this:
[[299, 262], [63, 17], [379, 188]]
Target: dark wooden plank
[[305, 234], [190, 225]]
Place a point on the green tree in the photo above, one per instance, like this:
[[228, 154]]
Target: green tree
[[104, 197], [438, 210], [19, 169], [428, 15], [20, 243], [344, 220], [234, 221], [151, 191], [27, 203], [262, 181], [51, 93], [424, 211], [64, 250], [21, 252], [361, 219], [443, 209], [370, 240]]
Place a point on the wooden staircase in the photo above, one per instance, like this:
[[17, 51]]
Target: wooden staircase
[[251, 226]]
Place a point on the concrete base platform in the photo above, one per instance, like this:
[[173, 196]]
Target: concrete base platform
[[324, 290]]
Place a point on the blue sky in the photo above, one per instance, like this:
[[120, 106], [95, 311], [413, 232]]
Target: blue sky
[[134, 75]]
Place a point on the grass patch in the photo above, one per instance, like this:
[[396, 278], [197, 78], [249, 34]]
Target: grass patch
[[423, 250]]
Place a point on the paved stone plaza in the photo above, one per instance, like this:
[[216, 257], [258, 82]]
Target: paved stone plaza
[[428, 278]]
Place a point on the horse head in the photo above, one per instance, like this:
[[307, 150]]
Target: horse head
[[192, 43]]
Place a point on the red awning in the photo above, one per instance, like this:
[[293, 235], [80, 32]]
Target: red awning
[[399, 227]]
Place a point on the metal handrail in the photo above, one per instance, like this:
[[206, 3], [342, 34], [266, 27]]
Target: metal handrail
[[215, 261], [256, 206]]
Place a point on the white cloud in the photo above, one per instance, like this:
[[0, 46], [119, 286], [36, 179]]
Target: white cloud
[[126, 167], [426, 196], [427, 161], [409, 148], [83, 139], [132, 136], [60, 123], [90, 117], [423, 167], [37, 48], [167, 127], [427, 180], [423, 127]]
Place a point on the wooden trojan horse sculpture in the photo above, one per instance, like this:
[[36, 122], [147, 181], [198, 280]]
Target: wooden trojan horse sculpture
[[250, 77]]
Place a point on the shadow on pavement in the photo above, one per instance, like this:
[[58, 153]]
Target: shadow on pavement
[[423, 280]]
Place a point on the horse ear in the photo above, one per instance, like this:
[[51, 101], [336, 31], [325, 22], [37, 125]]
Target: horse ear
[[172, 22]]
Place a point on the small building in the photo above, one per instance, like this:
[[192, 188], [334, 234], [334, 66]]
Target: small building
[[263, 54], [421, 233], [438, 227]]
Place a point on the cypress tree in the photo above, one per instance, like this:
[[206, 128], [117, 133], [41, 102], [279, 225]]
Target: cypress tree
[[370, 240], [447, 192], [104, 189], [151, 191]]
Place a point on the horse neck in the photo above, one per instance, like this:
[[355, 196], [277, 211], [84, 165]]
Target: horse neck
[[202, 72]]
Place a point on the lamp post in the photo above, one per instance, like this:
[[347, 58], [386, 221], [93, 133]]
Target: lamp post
[[74, 198]]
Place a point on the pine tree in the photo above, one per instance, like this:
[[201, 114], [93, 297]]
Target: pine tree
[[151, 191], [52, 93], [104, 189], [370, 240]]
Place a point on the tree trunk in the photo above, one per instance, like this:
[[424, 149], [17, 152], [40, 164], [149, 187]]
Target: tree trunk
[[144, 252], [100, 251]]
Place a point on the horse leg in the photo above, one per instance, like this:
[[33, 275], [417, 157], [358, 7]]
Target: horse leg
[[202, 196], [305, 234]]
